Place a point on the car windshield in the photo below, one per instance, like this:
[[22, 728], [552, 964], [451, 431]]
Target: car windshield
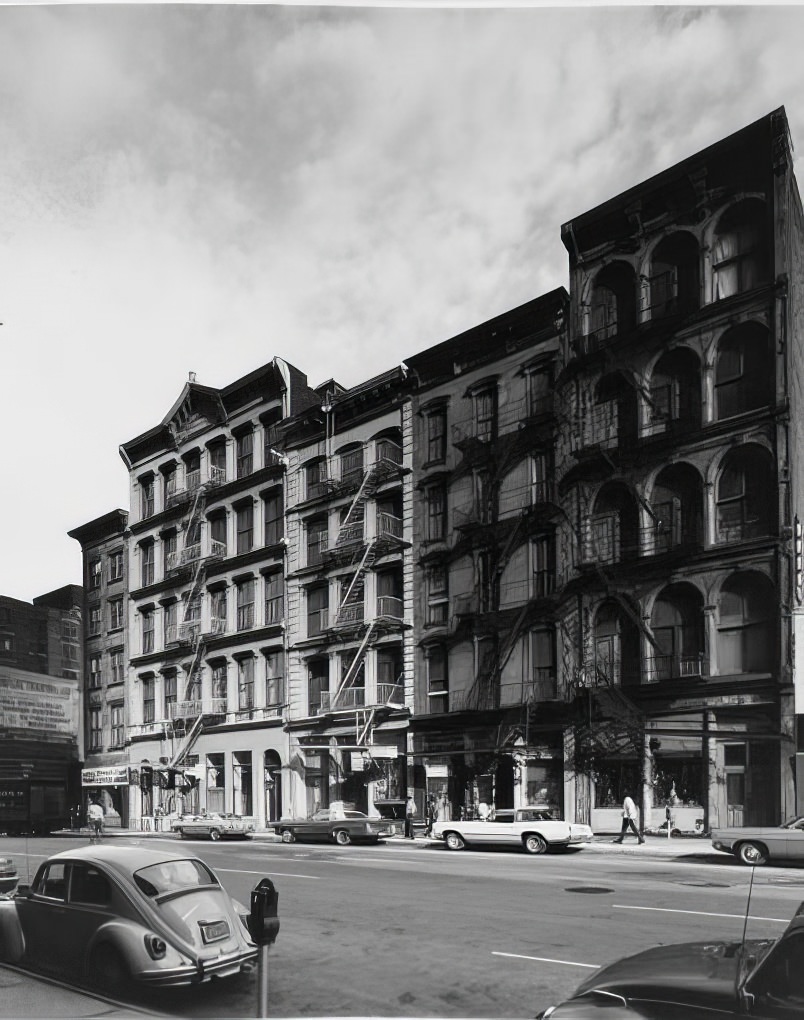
[[173, 876]]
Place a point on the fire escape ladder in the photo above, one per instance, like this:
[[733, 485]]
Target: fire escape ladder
[[507, 647], [369, 555], [190, 738], [356, 663], [365, 490], [634, 616], [510, 544], [363, 729]]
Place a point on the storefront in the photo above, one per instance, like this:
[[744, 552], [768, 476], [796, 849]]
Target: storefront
[[109, 787]]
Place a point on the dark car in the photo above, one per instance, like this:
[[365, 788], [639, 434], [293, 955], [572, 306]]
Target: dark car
[[761, 979], [342, 827], [114, 916]]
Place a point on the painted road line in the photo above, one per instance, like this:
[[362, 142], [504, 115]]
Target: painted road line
[[264, 871], [546, 959], [700, 913]]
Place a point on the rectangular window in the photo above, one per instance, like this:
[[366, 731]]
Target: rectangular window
[[116, 614], [274, 519], [485, 409], [317, 685], [170, 552], [147, 561], [116, 666], [437, 595], [352, 466], [316, 476], [219, 682], [169, 477], [245, 605], [118, 735], [316, 535], [437, 681], [95, 621], [245, 529], [274, 679], [274, 598], [95, 729], [218, 611], [436, 436], [217, 535], [245, 684], [217, 462], [116, 565], [148, 702], [317, 610], [147, 631], [540, 392], [435, 515], [94, 575], [170, 619], [192, 471], [147, 496], [170, 683], [245, 454], [542, 651], [95, 671]]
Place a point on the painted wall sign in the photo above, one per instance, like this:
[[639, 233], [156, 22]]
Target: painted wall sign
[[35, 701]]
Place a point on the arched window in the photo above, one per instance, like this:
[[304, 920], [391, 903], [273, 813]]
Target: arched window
[[612, 309], [677, 624], [740, 250], [674, 281], [743, 371], [616, 646], [746, 502]]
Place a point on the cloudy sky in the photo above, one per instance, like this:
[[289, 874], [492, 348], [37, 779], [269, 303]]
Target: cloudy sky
[[200, 188]]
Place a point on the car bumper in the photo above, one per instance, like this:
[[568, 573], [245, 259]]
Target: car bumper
[[193, 974]]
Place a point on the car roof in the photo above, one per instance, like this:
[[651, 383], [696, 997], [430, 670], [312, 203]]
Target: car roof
[[121, 859]]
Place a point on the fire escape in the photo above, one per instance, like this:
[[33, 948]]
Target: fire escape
[[189, 630], [350, 546]]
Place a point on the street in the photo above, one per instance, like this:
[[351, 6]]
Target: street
[[414, 930]]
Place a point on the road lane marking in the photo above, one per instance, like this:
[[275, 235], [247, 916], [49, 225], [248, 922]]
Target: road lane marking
[[546, 959], [700, 913], [282, 874]]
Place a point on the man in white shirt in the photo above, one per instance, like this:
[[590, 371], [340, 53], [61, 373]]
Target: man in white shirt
[[630, 815], [95, 819]]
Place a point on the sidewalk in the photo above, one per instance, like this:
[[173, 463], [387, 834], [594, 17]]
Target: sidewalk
[[24, 996]]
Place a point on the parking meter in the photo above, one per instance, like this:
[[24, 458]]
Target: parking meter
[[263, 922], [263, 925]]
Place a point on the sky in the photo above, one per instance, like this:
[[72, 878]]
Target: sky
[[201, 188]]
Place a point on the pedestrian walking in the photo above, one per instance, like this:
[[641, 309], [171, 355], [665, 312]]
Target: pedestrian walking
[[630, 816], [95, 820], [410, 814], [432, 813]]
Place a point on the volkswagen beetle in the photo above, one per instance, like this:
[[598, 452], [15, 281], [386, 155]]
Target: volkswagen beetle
[[118, 916]]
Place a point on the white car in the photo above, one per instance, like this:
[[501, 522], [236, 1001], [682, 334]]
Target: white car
[[214, 826], [532, 828]]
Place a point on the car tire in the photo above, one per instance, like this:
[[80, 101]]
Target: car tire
[[454, 841], [533, 843], [752, 854], [215, 835], [108, 971], [342, 837], [287, 836]]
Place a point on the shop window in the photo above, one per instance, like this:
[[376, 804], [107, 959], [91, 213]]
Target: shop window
[[216, 783]]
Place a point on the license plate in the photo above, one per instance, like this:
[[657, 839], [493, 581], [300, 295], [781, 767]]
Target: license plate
[[212, 931]]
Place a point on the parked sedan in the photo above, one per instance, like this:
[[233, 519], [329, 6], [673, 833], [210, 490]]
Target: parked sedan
[[759, 844], [343, 828], [532, 828], [214, 826], [115, 916]]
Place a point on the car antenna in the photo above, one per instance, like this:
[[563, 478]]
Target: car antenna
[[747, 908]]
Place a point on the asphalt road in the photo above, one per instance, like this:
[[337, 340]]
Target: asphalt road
[[417, 931]]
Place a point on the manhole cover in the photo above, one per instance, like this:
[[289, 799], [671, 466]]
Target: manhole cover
[[588, 889], [708, 885]]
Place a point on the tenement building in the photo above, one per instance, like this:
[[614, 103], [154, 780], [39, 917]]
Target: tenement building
[[488, 724], [105, 777], [205, 614], [679, 471], [350, 597]]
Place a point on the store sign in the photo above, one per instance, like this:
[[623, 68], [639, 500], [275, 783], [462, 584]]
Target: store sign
[[35, 701], [721, 701], [437, 771], [383, 751], [114, 775]]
